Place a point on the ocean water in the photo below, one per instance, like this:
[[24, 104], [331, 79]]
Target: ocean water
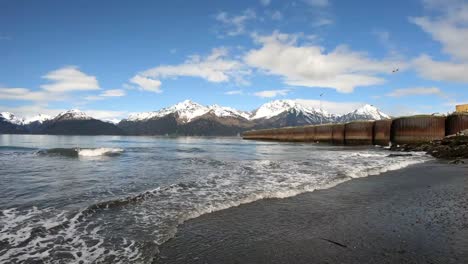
[[115, 199]]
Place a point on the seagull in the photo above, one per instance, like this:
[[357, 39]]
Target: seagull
[[395, 70]]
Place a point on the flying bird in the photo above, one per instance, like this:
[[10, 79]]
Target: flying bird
[[395, 70]]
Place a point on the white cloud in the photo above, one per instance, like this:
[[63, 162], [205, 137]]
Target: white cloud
[[24, 94], [113, 93], [107, 115], [331, 106], [234, 92], [65, 80], [215, 67], [235, 25], [450, 29], [317, 3], [451, 33], [265, 2], [440, 70], [69, 78], [33, 110], [271, 93], [311, 66], [147, 84], [415, 91], [107, 94]]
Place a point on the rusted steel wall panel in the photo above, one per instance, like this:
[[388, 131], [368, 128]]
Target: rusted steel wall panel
[[456, 123], [382, 132], [283, 134], [258, 134], [359, 133], [324, 133], [309, 133], [297, 134], [417, 129], [338, 134]]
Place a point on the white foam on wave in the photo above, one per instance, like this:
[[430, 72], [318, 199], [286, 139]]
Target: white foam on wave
[[217, 185], [250, 181], [99, 152], [19, 228]]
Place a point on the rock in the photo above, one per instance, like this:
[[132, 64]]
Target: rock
[[400, 155], [451, 147]]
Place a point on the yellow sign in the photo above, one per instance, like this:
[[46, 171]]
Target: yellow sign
[[462, 108]]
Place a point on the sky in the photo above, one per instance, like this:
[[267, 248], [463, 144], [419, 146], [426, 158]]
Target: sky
[[115, 58]]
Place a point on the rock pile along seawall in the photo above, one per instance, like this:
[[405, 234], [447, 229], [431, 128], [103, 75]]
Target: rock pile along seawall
[[404, 130]]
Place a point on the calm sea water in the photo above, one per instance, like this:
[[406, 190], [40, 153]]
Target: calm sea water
[[114, 199]]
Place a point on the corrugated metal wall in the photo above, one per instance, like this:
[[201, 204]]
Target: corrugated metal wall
[[382, 132], [309, 133], [297, 134], [417, 129], [359, 133], [324, 133], [406, 130], [338, 134], [456, 123]]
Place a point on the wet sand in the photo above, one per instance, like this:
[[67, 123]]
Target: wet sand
[[415, 215]]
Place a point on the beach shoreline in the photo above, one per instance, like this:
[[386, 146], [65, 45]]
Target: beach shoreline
[[418, 214]]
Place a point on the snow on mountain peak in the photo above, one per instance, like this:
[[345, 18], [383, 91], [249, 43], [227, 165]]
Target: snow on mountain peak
[[365, 112], [277, 107], [9, 117], [371, 111], [187, 111], [73, 114], [37, 118], [222, 111]]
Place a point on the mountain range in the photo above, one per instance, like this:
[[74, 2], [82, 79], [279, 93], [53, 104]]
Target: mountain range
[[185, 118]]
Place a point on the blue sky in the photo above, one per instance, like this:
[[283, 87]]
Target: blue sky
[[113, 58]]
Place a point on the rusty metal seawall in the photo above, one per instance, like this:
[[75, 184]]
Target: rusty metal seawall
[[382, 132], [338, 134], [405, 130], [456, 123], [359, 133], [324, 133], [417, 129]]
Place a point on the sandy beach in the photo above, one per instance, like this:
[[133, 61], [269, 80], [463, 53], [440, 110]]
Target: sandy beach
[[414, 215]]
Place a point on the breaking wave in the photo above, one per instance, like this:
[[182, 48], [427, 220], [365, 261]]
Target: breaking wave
[[128, 227], [81, 152]]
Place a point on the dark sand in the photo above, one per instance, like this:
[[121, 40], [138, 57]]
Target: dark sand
[[414, 215]]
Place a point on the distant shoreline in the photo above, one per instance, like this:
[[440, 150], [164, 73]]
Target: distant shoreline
[[414, 215]]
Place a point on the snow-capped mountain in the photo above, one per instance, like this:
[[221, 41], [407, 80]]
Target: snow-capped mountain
[[187, 111], [40, 118], [11, 118], [277, 107], [73, 114], [222, 111], [366, 112], [186, 118]]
